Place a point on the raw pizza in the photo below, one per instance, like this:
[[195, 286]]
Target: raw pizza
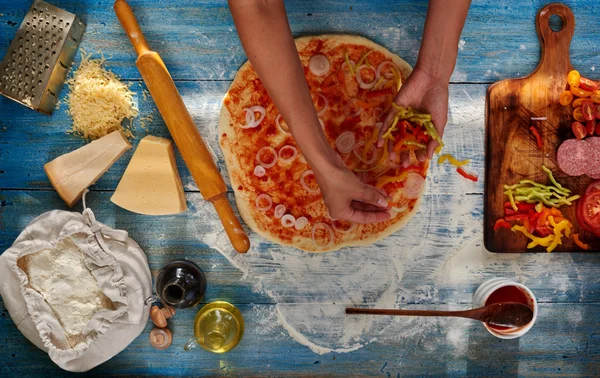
[[353, 82]]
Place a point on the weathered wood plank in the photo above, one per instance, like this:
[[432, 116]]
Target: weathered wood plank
[[564, 342], [28, 139], [197, 39]]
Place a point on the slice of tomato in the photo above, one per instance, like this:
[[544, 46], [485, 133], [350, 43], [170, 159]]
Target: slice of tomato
[[593, 188], [590, 126], [591, 211], [587, 84], [588, 110], [580, 220], [578, 115], [578, 130]]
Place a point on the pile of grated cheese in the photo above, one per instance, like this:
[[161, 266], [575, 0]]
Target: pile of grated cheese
[[98, 101]]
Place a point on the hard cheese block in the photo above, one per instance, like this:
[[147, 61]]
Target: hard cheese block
[[151, 184], [72, 173]]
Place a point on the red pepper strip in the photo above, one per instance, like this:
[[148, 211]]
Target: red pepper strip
[[510, 211], [501, 223], [466, 175], [421, 137], [414, 168], [349, 123], [515, 217], [508, 205], [382, 92], [366, 104], [527, 224], [533, 219], [537, 135], [525, 207], [579, 243], [542, 231]]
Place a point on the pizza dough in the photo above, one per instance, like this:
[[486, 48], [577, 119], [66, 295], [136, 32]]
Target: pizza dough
[[267, 170]]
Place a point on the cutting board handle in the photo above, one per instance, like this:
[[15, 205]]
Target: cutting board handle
[[555, 44]]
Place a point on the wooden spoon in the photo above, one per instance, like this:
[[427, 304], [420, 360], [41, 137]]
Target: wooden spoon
[[506, 314]]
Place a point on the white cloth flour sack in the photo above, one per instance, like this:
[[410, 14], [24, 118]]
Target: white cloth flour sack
[[76, 288]]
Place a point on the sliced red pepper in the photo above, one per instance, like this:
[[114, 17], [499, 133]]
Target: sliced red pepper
[[510, 211], [421, 137], [515, 217], [466, 175], [542, 231], [381, 92], [537, 135], [501, 223], [414, 168], [525, 207], [349, 123], [527, 224]]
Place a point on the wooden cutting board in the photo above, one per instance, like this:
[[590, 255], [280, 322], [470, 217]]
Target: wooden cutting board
[[511, 149]]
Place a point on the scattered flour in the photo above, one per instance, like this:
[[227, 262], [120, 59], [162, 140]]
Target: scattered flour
[[522, 47], [461, 44]]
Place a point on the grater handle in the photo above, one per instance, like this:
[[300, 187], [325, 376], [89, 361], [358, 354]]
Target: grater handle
[[131, 26]]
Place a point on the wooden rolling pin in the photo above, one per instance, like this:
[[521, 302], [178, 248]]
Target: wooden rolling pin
[[182, 127]]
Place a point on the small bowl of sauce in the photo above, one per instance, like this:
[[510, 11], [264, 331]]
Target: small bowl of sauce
[[499, 290]]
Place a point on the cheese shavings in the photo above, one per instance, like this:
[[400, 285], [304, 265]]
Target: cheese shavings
[[98, 101]]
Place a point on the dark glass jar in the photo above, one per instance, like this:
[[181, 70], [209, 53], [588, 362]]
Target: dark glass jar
[[181, 284]]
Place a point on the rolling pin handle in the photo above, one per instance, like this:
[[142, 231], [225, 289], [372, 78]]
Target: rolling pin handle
[[131, 26], [234, 229]]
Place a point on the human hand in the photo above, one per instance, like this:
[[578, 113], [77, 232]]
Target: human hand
[[348, 198], [427, 94]]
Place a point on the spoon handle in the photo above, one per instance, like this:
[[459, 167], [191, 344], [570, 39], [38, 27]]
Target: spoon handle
[[375, 311]]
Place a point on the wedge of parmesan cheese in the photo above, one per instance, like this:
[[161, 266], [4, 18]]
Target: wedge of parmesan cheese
[[72, 173], [151, 184]]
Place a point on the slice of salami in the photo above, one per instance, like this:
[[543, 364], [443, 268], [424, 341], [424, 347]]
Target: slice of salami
[[594, 163], [573, 157]]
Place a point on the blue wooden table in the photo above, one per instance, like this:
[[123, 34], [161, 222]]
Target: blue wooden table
[[293, 301]]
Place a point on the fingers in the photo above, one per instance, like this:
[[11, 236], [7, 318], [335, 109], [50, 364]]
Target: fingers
[[380, 191], [422, 155], [405, 159], [440, 125], [370, 195], [363, 217], [366, 207]]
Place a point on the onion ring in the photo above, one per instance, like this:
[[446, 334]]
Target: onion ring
[[319, 65], [358, 153], [279, 210], [291, 158], [301, 223], [361, 83], [322, 111], [345, 142], [325, 227], [347, 109], [265, 197], [383, 64], [288, 221], [352, 63], [352, 225], [251, 121], [413, 185], [261, 162], [259, 171], [279, 125], [303, 177]]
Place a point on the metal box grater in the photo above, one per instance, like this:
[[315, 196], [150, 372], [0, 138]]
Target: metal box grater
[[38, 59]]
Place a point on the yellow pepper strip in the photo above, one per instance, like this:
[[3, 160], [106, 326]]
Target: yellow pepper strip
[[539, 207], [433, 132], [398, 107], [512, 200], [535, 241], [438, 150], [379, 82], [388, 84], [415, 144], [396, 78], [389, 179], [420, 118], [452, 160], [362, 58], [579, 243], [392, 128], [382, 160], [348, 63], [370, 142], [389, 106]]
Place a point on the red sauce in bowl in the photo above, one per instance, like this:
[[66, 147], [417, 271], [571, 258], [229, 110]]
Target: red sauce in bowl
[[507, 294]]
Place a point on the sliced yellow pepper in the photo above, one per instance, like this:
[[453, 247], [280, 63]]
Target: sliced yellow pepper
[[452, 160], [534, 239], [392, 128], [362, 58], [348, 63], [370, 142], [388, 179]]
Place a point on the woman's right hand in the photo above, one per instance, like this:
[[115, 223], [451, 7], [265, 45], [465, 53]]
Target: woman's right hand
[[348, 198]]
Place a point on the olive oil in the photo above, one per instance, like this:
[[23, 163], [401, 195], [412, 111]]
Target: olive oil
[[218, 327]]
